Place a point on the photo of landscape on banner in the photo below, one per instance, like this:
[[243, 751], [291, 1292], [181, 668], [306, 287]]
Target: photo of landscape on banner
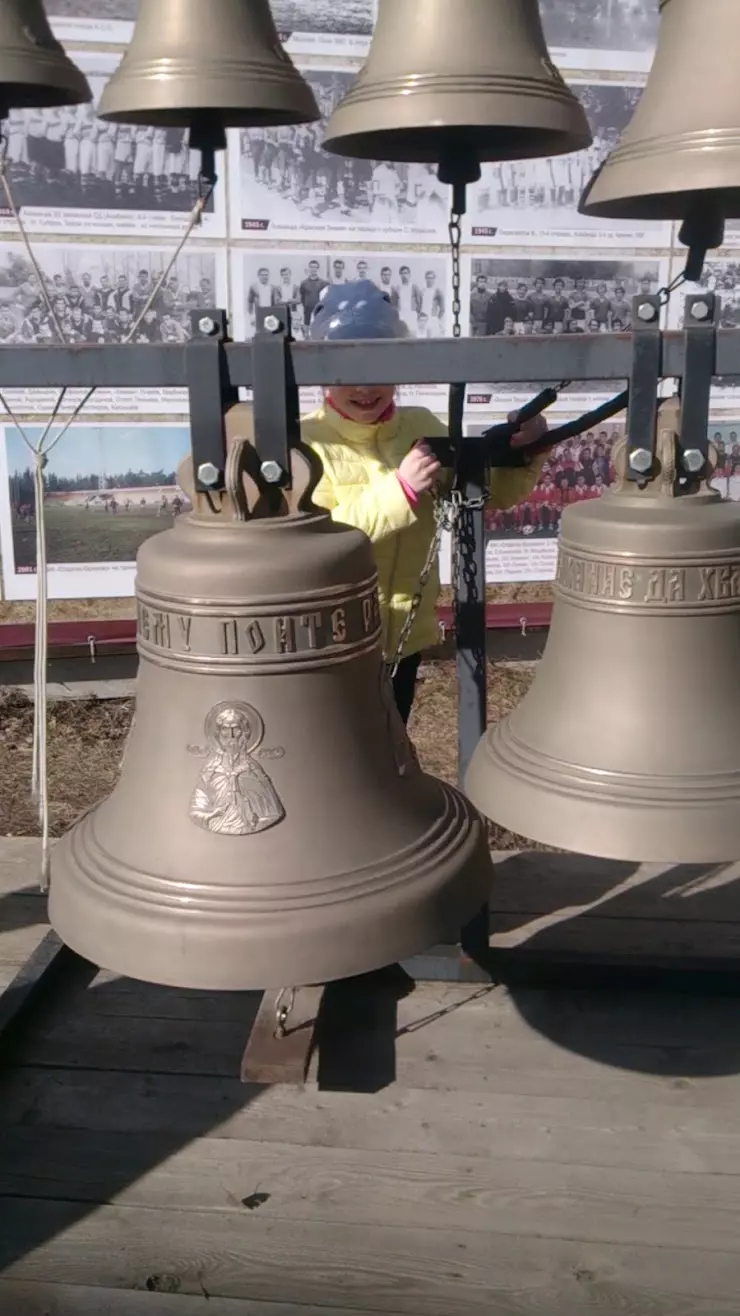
[[107, 489]]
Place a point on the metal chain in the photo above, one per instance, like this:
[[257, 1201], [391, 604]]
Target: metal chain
[[447, 510], [283, 1007], [455, 231]]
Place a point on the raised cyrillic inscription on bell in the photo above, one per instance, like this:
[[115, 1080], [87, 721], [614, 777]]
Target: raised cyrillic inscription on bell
[[287, 634], [648, 585]]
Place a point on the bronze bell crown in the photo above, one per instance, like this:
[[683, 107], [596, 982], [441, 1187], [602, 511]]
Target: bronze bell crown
[[271, 824], [627, 745], [470, 78], [35, 71], [222, 62], [683, 142]]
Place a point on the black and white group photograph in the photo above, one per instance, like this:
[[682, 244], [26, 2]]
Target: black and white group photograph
[[73, 173], [415, 283], [103, 294], [538, 199], [337, 27], [600, 25], [723, 278], [284, 185], [524, 296]]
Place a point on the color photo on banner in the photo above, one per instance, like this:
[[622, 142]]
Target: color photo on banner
[[98, 293], [108, 488], [73, 173], [519, 297], [521, 543], [601, 34], [332, 27], [725, 435], [537, 200], [284, 185], [722, 277], [416, 283]]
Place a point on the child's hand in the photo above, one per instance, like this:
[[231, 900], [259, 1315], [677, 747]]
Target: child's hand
[[420, 469]]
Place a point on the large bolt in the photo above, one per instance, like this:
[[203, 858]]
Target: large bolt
[[272, 472], [641, 460], [207, 326], [693, 461], [647, 312], [700, 310], [208, 474], [272, 324]]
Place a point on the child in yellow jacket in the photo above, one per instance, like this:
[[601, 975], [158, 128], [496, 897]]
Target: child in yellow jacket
[[379, 476]]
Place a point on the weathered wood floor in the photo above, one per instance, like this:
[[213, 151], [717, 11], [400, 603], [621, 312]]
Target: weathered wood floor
[[538, 1153]]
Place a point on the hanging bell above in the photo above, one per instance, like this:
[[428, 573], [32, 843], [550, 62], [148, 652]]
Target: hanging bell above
[[471, 78], [35, 71], [627, 745], [679, 158], [220, 63]]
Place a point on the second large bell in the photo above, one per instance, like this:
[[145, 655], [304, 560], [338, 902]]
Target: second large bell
[[681, 152], [271, 825], [469, 78], [627, 745]]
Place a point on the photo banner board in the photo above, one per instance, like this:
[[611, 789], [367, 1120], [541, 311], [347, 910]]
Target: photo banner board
[[106, 206]]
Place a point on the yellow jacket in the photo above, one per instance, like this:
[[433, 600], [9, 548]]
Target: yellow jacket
[[359, 487]]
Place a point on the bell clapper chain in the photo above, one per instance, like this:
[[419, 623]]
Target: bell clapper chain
[[40, 452]]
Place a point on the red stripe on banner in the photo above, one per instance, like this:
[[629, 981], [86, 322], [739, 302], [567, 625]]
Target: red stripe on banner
[[119, 635]]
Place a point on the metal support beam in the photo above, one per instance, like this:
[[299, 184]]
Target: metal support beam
[[428, 361]]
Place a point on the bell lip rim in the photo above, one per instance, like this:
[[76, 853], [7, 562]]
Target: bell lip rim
[[161, 116], [351, 144]]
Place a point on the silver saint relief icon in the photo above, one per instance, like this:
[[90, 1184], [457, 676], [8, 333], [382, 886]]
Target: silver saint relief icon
[[234, 795]]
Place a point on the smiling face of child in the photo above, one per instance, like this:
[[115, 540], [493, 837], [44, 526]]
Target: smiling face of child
[[365, 404]]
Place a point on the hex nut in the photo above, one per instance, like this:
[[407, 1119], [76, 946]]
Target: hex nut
[[272, 472], [641, 460], [208, 474], [700, 311], [207, 326], [693, 461], [646, 312], [272, 324]]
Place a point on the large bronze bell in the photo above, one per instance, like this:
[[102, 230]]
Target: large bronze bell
[[471, 78], [221, 59], [627, 745], [271, 825], [35, 72], [684, 139]]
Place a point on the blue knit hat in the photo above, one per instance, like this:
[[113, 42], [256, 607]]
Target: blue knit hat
[[355, 310]]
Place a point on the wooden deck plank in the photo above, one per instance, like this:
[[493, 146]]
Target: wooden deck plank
[[409, 1271], [451, 1038], [641, 1135], [29, 1298], [302, 1186]]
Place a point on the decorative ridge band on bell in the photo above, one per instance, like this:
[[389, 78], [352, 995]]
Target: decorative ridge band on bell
[[271, 823], [231, 67], [642, 762], [35, 71], [683, 142], [473, 77]]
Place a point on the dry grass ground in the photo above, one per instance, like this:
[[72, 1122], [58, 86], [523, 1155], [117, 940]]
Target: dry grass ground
[[87, 737]]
